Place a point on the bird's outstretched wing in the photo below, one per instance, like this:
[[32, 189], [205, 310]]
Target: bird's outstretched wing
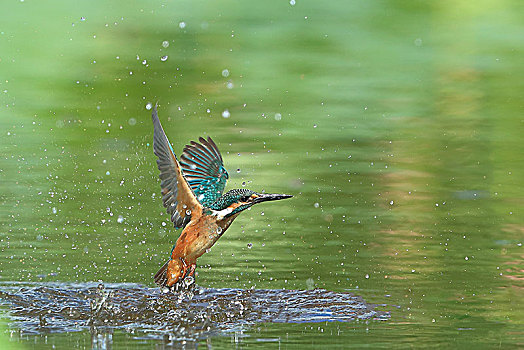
[[204, 170], [177, 196]]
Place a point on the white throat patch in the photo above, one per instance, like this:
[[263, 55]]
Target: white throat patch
[[221, 214]]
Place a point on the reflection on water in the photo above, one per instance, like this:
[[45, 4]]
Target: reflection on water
[[152, 314]]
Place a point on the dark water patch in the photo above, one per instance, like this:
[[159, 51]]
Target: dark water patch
[[57, 307]]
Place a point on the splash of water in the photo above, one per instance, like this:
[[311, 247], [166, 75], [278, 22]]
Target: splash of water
[[191, 315]]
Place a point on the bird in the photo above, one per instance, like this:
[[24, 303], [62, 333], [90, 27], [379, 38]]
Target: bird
[[192, 193]]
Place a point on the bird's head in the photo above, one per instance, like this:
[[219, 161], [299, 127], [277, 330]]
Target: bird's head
[[235, 201]]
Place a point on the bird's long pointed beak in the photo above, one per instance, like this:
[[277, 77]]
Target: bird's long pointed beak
[[271, 197]]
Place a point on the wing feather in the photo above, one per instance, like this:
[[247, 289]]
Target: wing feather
[[204, 170], [178, 198], [212, 146]]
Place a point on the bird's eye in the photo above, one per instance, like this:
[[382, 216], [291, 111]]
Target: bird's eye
[[245, 198]]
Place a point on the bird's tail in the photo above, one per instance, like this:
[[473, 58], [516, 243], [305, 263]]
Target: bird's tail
[[161, 275], [170, 273]]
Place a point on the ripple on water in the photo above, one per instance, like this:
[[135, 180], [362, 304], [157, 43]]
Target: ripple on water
[[57, 307]]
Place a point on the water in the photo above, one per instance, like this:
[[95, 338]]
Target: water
[[397, 127], [172, 319]]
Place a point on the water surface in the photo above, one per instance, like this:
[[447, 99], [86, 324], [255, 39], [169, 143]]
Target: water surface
[[200, 314]]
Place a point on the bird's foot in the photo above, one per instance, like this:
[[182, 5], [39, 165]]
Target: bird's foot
[[180, 279], [188, 270], [184, 268], [192, 269]]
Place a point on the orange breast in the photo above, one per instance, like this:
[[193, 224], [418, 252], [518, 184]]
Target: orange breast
[[198, 236]]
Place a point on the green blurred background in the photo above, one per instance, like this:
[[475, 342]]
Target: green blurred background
[[397, 125]]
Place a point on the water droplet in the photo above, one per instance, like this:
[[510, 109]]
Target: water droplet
[[314, 125], [250, 245], [165, 44], [367, 276], [182, 25], [226, 114], [108, 173], [164, 58], [391, 203], [225, 73], [54, 210], [292, 2], [120, 219], [310, 284], [278, 117], [316, 205], [188, 212], [189, 280], [238, 170]]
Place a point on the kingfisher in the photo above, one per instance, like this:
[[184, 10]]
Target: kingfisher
[[192, 193]]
